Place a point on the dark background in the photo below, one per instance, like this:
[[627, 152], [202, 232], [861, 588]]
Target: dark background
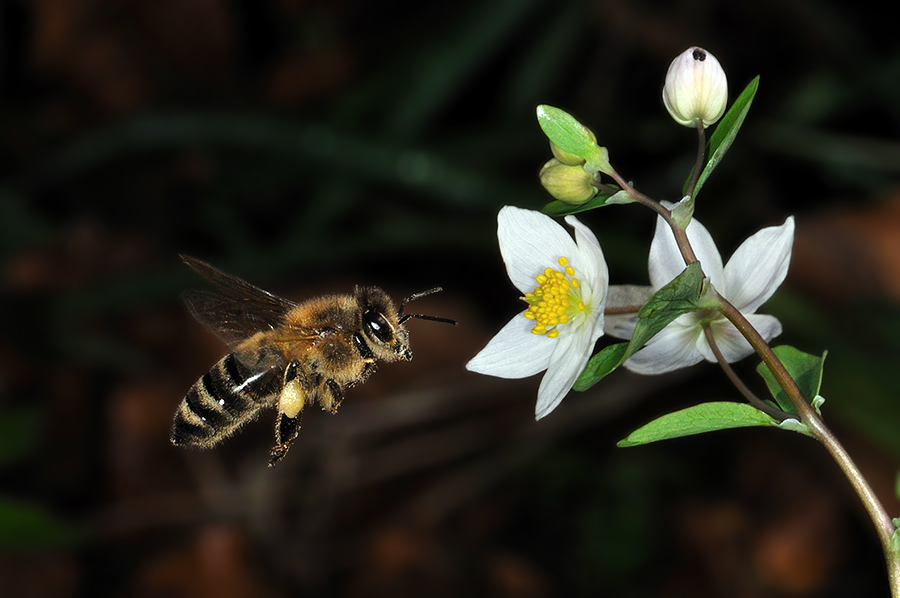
[[308, 146]]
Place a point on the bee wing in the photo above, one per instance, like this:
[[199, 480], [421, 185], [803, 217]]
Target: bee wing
[[236, 309]]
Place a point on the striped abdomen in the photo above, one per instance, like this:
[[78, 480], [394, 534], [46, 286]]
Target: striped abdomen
[[221, 401]]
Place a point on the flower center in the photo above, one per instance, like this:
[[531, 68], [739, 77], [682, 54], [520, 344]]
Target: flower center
[[555, 300]]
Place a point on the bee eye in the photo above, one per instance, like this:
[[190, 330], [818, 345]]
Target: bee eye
[[378, 326]]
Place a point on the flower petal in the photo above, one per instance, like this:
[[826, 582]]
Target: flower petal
[[620, 325], [529, 243], [672, 349], [514, 352], [758, 267], [666, 262], [568, 360], [731, 343], [619, 296], [591, 271]]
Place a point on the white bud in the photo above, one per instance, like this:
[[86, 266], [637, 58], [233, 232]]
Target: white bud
[[696, 88]]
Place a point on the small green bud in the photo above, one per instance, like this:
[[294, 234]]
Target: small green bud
[[574, 159], [568, 183], [565, 157], [696, 88], [574, 139]]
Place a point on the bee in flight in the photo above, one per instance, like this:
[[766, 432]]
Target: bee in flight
[[285, 354]]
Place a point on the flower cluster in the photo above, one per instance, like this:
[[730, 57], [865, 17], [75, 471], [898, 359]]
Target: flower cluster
[[696, 307], [565, 285], [564, 281]]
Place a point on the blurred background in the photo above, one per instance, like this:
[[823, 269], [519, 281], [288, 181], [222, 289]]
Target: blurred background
[[310, 145]]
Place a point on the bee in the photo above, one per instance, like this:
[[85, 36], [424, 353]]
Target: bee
[[285, 355]]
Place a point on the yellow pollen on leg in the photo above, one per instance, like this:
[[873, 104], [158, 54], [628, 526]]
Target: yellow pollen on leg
[[555, 300]]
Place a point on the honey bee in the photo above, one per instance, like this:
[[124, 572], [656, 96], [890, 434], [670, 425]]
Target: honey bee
[[285, 354]]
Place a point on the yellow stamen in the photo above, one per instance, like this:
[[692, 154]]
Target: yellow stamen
[[555, 300]]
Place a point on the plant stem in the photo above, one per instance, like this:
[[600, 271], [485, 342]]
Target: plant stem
[[769, 410], [701, 154], [621, 310], [883, 524]]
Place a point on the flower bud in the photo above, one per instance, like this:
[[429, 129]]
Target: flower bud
[[568, 157], [696, 88], [567, 183], [565, 157]]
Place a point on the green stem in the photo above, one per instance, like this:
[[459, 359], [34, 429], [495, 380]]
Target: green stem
[[666, 214], [883, 524], [621, 310], [769, 410], [701, 154]]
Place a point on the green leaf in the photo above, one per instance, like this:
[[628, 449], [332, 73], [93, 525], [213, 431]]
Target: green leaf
[[725, 132], [562, 129], [674, 299], [27, 527], [805, 369], [561, 208], [705, 417], [601, 365], [678, 297]]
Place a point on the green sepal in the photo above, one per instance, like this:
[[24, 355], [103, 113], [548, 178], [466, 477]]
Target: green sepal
[[894, 543], [804, 368], [681, 295], [795, 425], [706, 417], [682, 212], [563, 130], [724, 135]]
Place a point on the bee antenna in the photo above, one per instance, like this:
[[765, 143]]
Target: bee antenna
[[415, 296], [429, 318]]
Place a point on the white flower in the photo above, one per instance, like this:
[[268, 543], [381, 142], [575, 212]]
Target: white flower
[[564, 281], [696, 88], [751, 276]]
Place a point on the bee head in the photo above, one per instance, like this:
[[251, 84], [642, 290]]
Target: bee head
[[382, 330], [382, 323]]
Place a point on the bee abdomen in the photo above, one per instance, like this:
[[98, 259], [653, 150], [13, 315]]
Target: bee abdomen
[[220, 401]]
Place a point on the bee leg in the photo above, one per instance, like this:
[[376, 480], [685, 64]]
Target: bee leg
[[331, 395], [290, 409], [286, 430]]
